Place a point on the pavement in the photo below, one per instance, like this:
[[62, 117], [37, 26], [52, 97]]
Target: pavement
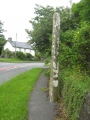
[[40, 107]]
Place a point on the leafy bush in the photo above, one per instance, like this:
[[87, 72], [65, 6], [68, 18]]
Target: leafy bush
[[7, 53], [20, 55], [48, 61], [82, 46], [47, 72], [74, 48], [29, 56]]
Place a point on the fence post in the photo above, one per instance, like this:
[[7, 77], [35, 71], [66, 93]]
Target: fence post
[[53, 87]]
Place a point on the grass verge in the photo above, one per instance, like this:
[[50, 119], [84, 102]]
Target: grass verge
[[10, 60], [14, 95], [16, 60]]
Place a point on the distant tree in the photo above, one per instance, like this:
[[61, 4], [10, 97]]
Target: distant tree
[[2, 38], [41, 35], [42, 28]]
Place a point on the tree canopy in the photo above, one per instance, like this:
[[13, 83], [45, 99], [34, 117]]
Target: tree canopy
[[42, 28], [2, 38], [41, 35], [74, 33]]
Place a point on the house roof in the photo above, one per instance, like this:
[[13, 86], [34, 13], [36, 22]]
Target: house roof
[[20, 44]]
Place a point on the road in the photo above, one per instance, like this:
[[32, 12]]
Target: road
[[10, 70]]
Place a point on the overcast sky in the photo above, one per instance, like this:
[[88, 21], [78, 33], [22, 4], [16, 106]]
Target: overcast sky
[[16, 15]]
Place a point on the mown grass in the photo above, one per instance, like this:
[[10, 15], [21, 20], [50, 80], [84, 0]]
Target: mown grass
[[16, 60], [15, 94], [10, 60]]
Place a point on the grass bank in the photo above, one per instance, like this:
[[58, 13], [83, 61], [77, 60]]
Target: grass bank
[[16, 60], [10, 60], [74, 85], [14, 95]]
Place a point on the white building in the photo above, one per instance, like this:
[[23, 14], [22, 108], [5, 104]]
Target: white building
[[19, 46]]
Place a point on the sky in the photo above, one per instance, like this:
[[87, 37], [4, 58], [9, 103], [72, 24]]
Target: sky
[[15, 14]]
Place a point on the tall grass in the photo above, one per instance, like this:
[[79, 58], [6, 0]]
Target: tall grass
[[75, 85]]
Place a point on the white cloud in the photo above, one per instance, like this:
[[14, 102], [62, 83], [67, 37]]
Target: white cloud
[[16, 13]]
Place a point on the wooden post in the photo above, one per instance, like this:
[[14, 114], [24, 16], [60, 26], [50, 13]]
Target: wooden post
[[53, 88]]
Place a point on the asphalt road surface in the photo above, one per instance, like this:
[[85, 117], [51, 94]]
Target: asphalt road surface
[[10, 70]]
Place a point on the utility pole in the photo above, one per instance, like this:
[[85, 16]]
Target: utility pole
[[70, 7], [15, 45], [54, 77]]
